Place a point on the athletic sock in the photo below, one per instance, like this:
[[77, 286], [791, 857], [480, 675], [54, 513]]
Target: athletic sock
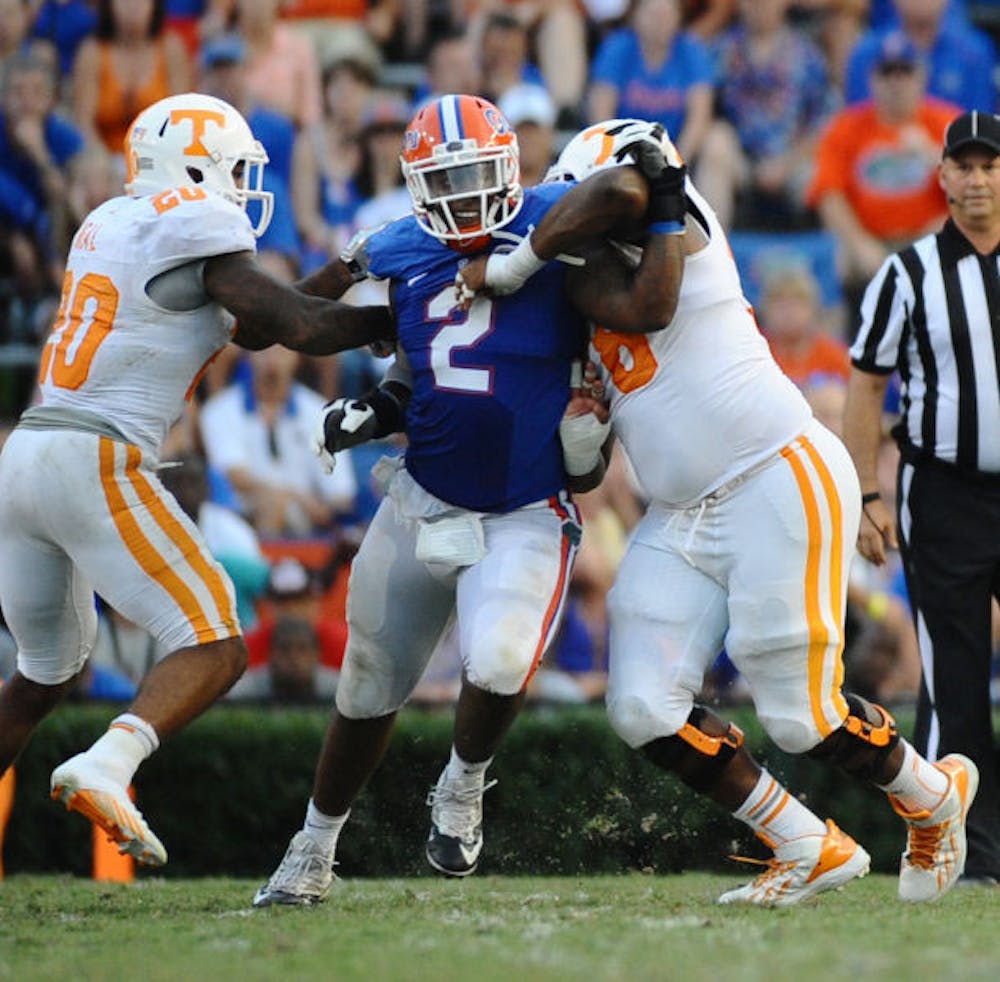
[[128, 741], [465, 775], [919, 785], [775, 815], [325, 829]]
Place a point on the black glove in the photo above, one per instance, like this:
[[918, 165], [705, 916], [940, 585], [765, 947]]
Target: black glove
[[667, 201]]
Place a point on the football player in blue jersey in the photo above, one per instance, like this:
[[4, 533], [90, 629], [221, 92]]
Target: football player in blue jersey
[[477, 525]]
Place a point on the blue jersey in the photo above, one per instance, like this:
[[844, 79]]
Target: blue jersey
[[489, 385]]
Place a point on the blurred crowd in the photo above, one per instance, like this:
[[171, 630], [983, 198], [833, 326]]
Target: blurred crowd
[[813, 127]]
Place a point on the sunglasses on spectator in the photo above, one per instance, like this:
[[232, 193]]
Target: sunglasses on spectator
[[896, 68]]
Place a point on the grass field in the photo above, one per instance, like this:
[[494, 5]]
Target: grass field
[[633, 927]]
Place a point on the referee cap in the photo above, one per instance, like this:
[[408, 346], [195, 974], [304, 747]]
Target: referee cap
[[971, 129]]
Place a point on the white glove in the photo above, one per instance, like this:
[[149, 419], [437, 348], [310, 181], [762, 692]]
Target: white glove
[[507, 272], [582, 438], [344, 423]]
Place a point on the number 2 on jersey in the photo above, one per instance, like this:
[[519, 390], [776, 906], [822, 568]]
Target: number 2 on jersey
[[465, 332], [86, 312]]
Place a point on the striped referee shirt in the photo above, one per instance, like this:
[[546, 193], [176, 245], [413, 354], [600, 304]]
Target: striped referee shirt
[[933, 312]]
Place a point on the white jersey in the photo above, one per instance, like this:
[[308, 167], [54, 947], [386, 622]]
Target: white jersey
[[702, 400], [116, 354]]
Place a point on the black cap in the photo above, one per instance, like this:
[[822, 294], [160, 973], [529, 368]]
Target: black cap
[[972, 129]]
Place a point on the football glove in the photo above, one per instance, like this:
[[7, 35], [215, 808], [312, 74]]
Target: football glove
[[344, 423], [648, 147]]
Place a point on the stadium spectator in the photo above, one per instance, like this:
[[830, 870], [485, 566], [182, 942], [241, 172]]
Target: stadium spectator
[[708, 18], [258, 433], [345, 28], [451, 65], [960, 60], [531, 111], [37, 147], [875, 185], [16, 37], [792, 321], [130, 64], [651, 69], [64, 24], [774, 96], [295, 592], [282, 68], [292, 674], [504, 45], [327, 159]]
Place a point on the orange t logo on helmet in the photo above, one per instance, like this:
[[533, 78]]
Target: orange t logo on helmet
[[198, 117]]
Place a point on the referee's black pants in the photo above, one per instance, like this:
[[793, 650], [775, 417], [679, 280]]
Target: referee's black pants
[[949, 536]]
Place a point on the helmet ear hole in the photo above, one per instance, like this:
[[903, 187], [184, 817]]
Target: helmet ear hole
[[196, 175]]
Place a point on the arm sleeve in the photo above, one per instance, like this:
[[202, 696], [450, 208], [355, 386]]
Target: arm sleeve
[[884, 315]]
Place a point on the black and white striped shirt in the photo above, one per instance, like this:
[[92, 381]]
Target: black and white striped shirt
[[933, 312]]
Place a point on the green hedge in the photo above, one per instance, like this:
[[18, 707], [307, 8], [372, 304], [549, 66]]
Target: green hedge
[[226, 794]]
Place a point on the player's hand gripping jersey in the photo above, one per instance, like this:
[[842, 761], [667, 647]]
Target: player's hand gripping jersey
[[114, 352], [489, 384]]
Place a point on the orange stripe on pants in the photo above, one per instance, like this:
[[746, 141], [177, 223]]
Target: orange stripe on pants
[[179, 535], [819, 633], [142, 550]]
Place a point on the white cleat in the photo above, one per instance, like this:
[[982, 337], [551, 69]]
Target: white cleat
[[83, 788], [802, 868], [936, 844], [303, 877]]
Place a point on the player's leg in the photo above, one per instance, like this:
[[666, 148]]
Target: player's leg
[[47, 604], [787, 614], [148, 561], [397, 611], [668, 615], [509, 608]]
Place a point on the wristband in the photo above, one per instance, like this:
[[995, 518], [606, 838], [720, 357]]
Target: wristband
[[867, 499], [877, 607], [666, 228], [506, 272]]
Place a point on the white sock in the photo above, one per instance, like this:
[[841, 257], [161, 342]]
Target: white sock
[[127, 743], [919, 785], [464, 774], [775, 815], [325, 829]]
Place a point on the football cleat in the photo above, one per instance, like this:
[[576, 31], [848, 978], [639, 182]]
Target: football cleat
[[456, 838], [303, 877], [936, 844], [82, 788], [802, 868]]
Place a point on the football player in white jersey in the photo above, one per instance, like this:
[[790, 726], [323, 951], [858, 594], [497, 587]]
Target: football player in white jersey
[[746, 544], [157, 282]]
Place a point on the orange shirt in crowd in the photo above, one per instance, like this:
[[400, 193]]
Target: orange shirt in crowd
[[118, 102], [887, 173], [824, 356], [343, 9], [332, 635]]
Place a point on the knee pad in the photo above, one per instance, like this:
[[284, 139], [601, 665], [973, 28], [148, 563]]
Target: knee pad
[[860, 746], [697, 757]]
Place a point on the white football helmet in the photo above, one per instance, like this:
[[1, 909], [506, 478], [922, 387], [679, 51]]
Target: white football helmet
[[460, 162], [198, 140], [597, 147]]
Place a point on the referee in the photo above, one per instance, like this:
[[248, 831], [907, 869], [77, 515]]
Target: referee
[[933, 312]]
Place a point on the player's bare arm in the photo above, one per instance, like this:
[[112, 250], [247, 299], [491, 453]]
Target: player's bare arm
[[332, 280], [630, 299], [272, 312]]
